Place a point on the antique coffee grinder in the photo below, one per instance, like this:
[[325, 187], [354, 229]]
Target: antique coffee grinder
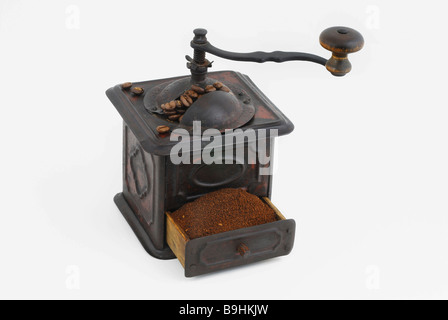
[[154, 186]]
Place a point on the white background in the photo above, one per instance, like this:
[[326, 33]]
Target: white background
[[364, 174]]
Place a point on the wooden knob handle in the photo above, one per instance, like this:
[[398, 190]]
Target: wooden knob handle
[[243, 250], [340, 41]]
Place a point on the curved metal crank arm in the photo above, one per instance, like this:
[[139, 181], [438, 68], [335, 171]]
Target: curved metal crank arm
[[259, 56], [341, 41]]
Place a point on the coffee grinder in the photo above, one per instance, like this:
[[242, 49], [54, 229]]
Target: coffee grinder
[[153, 186]]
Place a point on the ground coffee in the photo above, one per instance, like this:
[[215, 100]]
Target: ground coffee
[[222, 211]]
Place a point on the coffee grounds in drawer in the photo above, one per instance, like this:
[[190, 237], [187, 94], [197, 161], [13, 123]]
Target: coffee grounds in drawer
[[222, 211]]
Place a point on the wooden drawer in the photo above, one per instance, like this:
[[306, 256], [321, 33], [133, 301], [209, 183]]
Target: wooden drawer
[[233, 248]]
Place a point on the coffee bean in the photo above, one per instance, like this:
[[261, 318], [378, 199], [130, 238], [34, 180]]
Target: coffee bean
[[126, 85], [178, 104], [192, 94], [181, 117], [170, 106], [163, 129], [174, 117], [197, 89], [184, 101], [137, 91], [173, 104], [180, 111], [218, 85], [169, 112], [163, 107], [210, 89], [225, 89]]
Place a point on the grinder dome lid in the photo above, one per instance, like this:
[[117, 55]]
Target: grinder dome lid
[[219, 110]]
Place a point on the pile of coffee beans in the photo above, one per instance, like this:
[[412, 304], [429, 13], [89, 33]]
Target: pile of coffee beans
[[175, 110]]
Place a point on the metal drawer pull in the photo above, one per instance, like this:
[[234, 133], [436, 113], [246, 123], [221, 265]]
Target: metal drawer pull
[[243, 250]]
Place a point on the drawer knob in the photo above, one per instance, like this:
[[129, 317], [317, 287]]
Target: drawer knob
[[243, 250]]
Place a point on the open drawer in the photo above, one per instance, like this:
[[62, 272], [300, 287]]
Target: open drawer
[[232, 248]]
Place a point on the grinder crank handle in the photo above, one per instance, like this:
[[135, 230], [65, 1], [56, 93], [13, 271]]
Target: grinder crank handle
[[339, 40]]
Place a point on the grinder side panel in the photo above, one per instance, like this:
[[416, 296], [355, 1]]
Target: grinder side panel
[[144, 187]]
